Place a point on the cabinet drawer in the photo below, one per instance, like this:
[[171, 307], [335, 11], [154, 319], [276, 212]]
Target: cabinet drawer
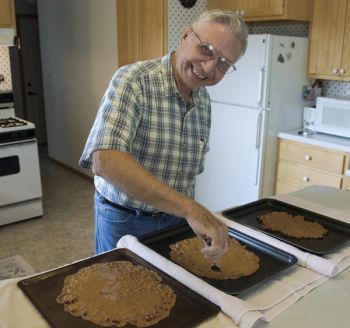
[[313, 157], [303, 176], [283, 188]]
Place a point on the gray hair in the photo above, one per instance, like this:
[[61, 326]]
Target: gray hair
[[228, 18]]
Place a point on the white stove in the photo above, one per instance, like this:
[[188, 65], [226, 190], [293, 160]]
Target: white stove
[[15, 129], [20, 182]]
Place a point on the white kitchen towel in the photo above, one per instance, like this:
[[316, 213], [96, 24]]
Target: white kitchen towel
[[265, 303], [16, 310], [329, 265], [277, 294]]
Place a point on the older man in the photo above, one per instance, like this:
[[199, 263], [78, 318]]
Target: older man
[[151, 132]]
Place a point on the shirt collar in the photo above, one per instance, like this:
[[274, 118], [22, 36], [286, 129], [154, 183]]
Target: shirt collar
[[168, 76], [170, 85]]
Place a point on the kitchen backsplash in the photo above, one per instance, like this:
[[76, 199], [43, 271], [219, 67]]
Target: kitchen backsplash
[[179, 17], [5, 69]]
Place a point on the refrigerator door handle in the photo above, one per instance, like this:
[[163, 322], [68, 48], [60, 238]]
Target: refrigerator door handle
[[257, 144], [258, 131], [260, 86]]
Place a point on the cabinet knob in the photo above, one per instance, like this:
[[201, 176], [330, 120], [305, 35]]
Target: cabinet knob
[[335, 70], [242, 12], [307, 157], [341, 70], [306, 179]]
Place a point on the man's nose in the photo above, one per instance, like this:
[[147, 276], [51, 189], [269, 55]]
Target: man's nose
[[209, 65]]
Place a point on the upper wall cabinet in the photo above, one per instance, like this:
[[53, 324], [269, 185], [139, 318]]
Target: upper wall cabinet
[[142, 30], [7, 13], [266, 10], [329, 52]]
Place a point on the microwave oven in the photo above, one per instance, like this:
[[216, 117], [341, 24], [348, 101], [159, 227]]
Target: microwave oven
[[331, 116]]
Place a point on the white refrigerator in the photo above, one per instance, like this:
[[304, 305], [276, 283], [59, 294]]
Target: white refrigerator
[[249, 107]]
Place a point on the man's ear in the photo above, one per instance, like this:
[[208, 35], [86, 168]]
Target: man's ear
[[185, 33]]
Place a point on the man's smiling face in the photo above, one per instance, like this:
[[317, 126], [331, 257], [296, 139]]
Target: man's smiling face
[[194, 68]]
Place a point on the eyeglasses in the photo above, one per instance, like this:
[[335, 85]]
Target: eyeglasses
[[209, 51]]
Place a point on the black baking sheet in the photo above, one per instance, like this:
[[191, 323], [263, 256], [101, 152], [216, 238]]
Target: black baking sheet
[[338, 231], [190, 308], [272, 260]]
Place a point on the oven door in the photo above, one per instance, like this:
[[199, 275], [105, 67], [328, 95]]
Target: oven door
[[19, 172]]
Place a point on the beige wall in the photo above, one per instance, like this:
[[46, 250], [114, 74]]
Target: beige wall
[[78, 40], [79, 56]]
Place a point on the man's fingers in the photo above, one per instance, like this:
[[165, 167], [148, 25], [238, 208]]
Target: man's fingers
[[213, 253], [213, 232], [216, 248]]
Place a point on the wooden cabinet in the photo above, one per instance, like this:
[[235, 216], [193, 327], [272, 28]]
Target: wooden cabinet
[[142, 30], [7, 14], [300, 165], [267, 10], [329, 54], [346, 183]]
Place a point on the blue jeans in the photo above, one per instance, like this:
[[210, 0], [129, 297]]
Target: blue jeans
[[113, 222]]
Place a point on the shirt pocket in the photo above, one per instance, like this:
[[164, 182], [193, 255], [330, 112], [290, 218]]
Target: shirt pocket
[[201, 149]]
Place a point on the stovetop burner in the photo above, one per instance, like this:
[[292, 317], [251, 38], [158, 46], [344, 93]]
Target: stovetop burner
[[11, 122], [13, 129]]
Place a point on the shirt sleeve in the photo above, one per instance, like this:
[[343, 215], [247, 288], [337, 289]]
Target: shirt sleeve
[[117, 119]]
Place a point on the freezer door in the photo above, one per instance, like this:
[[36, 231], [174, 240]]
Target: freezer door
[[232, 166], [245, 86]]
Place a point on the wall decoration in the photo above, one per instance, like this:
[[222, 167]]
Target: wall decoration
[[188, 3]]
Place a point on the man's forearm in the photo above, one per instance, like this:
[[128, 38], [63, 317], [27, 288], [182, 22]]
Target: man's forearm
[[123, 171]]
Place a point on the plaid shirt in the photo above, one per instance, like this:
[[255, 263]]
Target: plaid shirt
[[143, 114]]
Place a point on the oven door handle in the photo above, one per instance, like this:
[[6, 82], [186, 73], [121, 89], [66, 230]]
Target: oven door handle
[[17, 142]]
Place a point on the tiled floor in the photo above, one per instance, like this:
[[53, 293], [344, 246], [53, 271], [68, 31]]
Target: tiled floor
[[65, 232]]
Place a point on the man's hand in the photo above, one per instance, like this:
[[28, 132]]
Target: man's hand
[[213, 232]]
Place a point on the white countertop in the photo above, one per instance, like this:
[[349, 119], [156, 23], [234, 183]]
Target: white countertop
[[324, 307], [317, 139], [327, 305]]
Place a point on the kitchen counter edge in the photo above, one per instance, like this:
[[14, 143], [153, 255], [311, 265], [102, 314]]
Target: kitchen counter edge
[[317, 139]]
